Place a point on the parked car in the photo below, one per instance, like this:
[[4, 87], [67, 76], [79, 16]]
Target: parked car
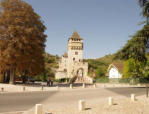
[[30, 79]]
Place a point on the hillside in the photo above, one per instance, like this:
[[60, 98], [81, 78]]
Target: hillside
[[100, 65]]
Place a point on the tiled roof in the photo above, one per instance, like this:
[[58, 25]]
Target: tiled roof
[[65, 55], [75, 35], [119, 66]]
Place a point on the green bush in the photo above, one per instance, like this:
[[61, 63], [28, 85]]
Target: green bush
[[144, 80], [133, 69], [102, 80], [99, 72], [41, 77], [134, 81], [62, 80], [124, 80]]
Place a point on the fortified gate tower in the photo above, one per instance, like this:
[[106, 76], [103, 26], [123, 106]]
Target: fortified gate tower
[[71, 64]]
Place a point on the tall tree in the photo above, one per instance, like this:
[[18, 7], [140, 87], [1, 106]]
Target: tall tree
[[133, 69], [135, 47], [144, 4], [22, 39]]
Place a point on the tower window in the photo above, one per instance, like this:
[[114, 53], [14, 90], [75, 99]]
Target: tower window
[[74, 59], [76, 53]]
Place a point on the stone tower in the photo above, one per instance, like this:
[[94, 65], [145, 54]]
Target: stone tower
[[71, 64], [75, 52]]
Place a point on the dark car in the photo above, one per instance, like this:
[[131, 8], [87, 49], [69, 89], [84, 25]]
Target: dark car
[[30, 79]]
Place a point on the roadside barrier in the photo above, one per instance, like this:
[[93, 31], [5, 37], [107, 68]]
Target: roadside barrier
[[83, 85], [110, 101], [39, 109], [71, 87], [94, 85], [81, 105], [57, 87], [133, 97]]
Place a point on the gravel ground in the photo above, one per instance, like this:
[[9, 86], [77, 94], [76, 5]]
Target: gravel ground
[[122, 105]]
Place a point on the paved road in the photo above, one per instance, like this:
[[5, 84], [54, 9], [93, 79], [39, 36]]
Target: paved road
[[24, 101]]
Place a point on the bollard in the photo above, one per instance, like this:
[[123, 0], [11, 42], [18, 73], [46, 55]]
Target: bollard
[[110, 101], [2, 89], [23, 88], [42, 88], [81, 105], [94, 85], [83, 85], [104, 85], [133, 97], [71, 86], [38, 109], [57, 87]]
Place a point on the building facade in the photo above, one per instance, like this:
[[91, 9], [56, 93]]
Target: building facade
[[72, 64], [115, 70]]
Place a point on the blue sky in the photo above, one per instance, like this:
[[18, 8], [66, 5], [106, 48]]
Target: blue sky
[[105, 25]]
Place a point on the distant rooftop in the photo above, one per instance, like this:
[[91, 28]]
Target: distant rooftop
[[65, 55], [119, 66]]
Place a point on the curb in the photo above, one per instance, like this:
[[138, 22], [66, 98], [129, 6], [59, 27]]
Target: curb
[[16, 112]]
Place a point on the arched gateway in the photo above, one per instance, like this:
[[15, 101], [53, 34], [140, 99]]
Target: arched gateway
[[80, 74], [72, 62]]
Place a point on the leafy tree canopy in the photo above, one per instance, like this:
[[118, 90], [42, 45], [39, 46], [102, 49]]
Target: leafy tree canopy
[[133, 69], [22, 39], [136, 47], [99, 72]]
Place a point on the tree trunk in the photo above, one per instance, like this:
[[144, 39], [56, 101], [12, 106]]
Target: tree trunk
[[12, 76], [23, 79], [7, 76], [1, 77]]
